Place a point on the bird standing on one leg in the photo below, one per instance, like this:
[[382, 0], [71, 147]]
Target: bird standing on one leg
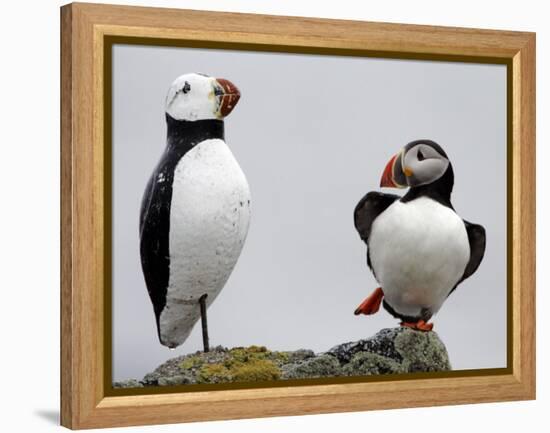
[[195, 210], [418, 248]]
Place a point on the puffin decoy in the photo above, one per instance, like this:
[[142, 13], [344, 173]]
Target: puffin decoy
[[418, 248], [195, 209]]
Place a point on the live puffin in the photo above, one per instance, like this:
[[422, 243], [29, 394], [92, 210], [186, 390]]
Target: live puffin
[[418, 248], [195, 210]]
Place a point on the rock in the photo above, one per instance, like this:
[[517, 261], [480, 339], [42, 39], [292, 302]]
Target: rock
[[184, 369], [393, 350], [300, 355], [179, 379], [381, 343], [390, 351], [316, 366], [367, 363], [130, 383], [422, 351]]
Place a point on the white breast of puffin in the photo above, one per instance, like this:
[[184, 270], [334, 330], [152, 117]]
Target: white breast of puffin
[[209, 218], [418, 250]]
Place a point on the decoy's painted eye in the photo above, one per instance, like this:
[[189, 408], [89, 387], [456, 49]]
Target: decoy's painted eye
[[186, 87], [420, 155]]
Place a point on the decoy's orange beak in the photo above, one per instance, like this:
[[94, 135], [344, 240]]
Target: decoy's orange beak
[[229, 95]]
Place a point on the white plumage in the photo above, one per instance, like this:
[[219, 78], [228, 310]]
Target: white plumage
[[418, 251], [209, 220]]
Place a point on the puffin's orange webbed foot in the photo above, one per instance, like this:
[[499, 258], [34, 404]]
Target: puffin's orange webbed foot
[[421, 325], [372, 304]]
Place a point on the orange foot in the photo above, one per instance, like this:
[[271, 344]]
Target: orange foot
[[372, 304], [420, 325]]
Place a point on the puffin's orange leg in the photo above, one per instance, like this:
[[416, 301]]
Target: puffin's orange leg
[[421, 325], [372, 304]]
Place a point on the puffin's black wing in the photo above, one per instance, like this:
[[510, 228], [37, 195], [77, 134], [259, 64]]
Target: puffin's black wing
[[476, 238], [368, 209], [154, 230]]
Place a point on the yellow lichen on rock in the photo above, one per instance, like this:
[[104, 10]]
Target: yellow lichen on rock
[[255, 370], [240, 364], [214, 373]]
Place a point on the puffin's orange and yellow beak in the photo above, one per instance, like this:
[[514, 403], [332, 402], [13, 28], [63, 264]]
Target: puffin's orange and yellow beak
[[393, 175], [387, 175]]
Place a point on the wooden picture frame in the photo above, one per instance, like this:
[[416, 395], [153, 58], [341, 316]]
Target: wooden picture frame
[[87, 34]]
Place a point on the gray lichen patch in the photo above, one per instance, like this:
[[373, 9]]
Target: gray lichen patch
[[422, 351], [130, 383], [367, 364], [314, 367]]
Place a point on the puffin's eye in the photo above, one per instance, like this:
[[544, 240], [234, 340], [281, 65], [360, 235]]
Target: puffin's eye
[[186, 87], [420, 155]]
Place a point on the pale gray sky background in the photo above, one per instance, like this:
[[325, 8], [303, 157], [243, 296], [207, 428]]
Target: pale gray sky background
[[313, 134]]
